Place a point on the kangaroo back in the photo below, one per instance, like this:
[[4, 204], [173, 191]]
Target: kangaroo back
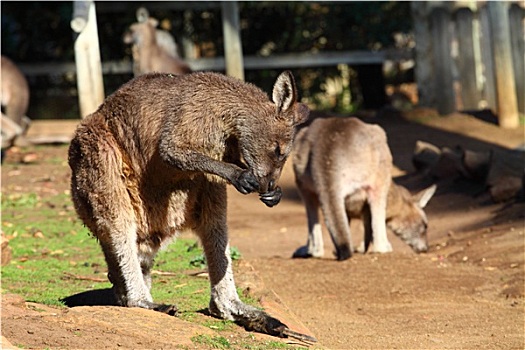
[[342, 155]]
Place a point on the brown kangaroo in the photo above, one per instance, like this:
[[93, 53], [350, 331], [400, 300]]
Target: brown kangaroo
[[155, 159], [343, 165], [15, 101], [153, 50]]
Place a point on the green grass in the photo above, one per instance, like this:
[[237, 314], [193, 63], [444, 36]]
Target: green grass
[[216, 342], [220, 342], [54, 256], [51, 245]]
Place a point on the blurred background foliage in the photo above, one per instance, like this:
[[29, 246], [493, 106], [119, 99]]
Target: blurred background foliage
[[40, 32]]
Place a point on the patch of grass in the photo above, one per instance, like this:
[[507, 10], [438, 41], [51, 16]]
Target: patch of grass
[[54, 256], [20, 200], [271, 345], [199, 260], [216, 342]]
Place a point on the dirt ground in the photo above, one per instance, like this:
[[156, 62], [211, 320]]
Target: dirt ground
[[467, 292]]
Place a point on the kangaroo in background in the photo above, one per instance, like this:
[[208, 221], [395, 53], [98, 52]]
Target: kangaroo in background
[[15, 102], [343, 165], [155, 159], [153, 50]]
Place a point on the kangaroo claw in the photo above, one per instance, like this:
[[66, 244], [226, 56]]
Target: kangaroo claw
[[272, 198], [299, 336]]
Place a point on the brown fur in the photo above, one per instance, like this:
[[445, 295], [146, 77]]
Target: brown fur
[[155, 159], [343, 166], [15, 101], [150, 51]]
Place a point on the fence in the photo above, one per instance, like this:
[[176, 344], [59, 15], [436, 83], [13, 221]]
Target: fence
[[470, 55]]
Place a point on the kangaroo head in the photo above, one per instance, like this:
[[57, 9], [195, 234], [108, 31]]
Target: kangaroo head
[[141, 31], [410, 221], [266, 144]]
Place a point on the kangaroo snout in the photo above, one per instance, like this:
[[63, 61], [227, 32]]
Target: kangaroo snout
[[419, 245], [267, 184], [272, 195]]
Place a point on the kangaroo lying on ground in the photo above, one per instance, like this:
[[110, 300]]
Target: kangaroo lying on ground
[[153, 50], [155, 159], [15, 101], [343, 165]]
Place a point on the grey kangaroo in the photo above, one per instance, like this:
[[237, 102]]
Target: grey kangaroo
[[155, 159], [14, 95], [153, 50], [343, 166]]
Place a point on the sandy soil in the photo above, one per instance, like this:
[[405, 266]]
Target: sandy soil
[[466, 292]]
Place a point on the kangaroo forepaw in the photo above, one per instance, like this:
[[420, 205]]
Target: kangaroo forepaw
[[246, 182], [271, 198]]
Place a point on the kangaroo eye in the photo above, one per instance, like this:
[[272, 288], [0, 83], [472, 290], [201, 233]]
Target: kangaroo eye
[[278, 153]]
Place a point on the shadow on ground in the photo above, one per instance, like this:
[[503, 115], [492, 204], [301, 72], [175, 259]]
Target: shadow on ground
[[97, 297]]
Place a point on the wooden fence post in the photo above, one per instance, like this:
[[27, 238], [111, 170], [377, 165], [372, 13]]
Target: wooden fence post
[[505, 83], [443, 62], [232, 39], [517, 38], [188, 47], [87, 57], [424, 69], [470, 95], [489, 86]]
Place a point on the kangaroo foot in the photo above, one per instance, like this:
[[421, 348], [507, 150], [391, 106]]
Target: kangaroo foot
[[164, 308], [305, 252], [259, 321], [382, 247], [343, 252]]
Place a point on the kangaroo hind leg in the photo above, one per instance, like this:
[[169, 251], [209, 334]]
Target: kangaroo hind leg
[[366, 217], [377, 200], [104, 204], [225, 302], [314, 246], [337, 223]]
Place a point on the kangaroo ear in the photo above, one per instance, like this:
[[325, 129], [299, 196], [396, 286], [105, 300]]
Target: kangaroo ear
[[284, 91], [423, 197], [301, 113]]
